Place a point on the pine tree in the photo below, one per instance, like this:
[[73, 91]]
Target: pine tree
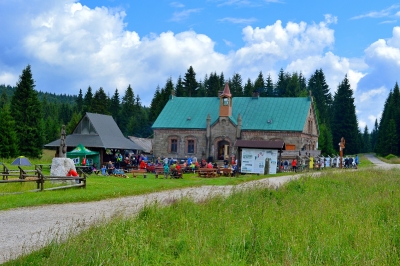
[[382, 142], [100, 102], [128, 110], [27, 112], [392, 138], [235, 85], [281, 84], [374, 136], [155, 105], [201, 91], [325, 140], [76, 117], [213, 85], [323, 98], [179, 89], [248, 88], [293, 86], [366, 141], [8, 136], [3, 99], [259, 85], [390, 118], [190, 84], [344, 119], [79, 102], [269, 87], [114, 107], [87, 101]]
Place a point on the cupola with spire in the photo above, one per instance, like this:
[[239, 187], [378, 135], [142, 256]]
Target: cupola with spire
[[225, 102]]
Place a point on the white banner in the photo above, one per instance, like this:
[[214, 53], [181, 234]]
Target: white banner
[[254, 160]]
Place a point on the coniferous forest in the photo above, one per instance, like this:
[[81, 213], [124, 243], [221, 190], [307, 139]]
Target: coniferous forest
[[31, 118]]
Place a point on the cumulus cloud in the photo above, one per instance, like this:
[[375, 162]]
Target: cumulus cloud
[[71, 46]]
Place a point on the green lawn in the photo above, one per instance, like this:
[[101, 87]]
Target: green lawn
[[100, 187], [341, 218]]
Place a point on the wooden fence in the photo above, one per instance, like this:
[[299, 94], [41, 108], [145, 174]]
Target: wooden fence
[[21, 176]]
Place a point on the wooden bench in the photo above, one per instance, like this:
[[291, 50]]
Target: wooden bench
[[158, 171], [207, 172], [138, 172], [226, 171]]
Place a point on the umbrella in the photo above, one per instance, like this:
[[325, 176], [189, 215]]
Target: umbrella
[[21, 161]]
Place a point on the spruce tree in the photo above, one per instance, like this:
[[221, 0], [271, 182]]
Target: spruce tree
[[366, 141], [76, 117], [155, 105], [8, 136], [87, 101], [128, 111], [100, 102], [281, 84], [114, 107], [190, 84], [269, 87], [27, 112], [235, 85], [3, 99], [374, 136], [213, 85], [248, 88], [79, 102], [179, 89], [259, 85], [344, 120], [293, 86]]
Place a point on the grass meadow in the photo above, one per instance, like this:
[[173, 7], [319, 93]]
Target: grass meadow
[[340, 218], [103, 187]]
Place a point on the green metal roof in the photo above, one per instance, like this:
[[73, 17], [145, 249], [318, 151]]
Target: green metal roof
[[272, 114]]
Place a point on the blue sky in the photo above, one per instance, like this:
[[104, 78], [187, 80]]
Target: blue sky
[[71, 45]]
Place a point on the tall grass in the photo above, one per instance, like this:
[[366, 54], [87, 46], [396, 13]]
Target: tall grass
[[100, 187], [341, 218]]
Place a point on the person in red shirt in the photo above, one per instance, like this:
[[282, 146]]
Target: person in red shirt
[[72, 172], [142, 165], [294, 165]]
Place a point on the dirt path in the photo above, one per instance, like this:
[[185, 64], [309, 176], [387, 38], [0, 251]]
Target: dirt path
[[27, 229]]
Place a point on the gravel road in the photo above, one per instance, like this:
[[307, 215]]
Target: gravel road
[[26, 229]]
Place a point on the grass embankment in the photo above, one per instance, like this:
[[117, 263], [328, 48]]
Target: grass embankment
[[341, 218], [100, 187]]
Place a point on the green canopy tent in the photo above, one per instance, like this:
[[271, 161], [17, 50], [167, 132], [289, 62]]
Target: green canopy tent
[[80, 152]]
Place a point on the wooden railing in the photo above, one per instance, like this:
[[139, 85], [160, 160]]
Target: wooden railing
[[40, 179]]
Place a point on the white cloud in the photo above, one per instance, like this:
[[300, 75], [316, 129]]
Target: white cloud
[[330, 19], [177, 4], [388, 22], [238, 20], [365, 96], [71, 46], [182, 15], [378, 14], [8, 78]]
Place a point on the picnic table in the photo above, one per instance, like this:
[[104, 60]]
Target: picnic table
[[207, 172], [85, 169]]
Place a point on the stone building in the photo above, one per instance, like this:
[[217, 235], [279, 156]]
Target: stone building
[[207, 127]]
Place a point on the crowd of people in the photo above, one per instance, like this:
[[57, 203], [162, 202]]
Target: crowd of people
[[318, 163]]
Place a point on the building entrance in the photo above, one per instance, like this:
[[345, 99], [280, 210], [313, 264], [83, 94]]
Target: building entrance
[[223, 149]]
